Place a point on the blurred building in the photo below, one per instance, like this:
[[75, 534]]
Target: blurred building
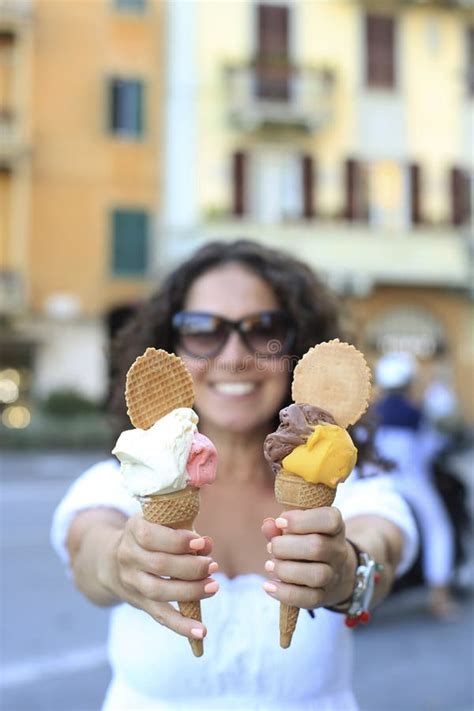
[[134, 130], [80, 170]]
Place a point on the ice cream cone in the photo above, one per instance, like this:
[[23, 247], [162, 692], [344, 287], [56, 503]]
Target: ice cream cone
[[177, 510], [334, 378], [293, 492], [157, 383]]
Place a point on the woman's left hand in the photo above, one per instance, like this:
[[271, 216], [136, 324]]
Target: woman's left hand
[[311, 564]]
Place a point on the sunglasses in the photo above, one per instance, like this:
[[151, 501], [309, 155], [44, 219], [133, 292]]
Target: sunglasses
[[203, 335]]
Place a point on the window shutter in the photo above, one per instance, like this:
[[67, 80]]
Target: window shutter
[[470, 60], [351, 180], [130, 242], [380, 51], [307, 165], [239, 161], [273, 31], [460, 197], [272, 70], [415, 194]]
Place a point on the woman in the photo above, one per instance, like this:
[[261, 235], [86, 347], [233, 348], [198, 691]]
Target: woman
[[247, 308]]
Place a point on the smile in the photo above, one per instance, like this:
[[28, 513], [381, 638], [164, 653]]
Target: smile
[[235, 389]]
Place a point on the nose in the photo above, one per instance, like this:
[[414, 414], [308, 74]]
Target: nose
[[235, 355]]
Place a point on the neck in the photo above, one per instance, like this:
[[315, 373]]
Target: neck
[[241, 459]]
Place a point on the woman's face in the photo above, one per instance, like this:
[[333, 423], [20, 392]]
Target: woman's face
[[234, 390]]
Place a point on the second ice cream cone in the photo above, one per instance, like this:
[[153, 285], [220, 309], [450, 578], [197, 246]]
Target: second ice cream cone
[[177, 510], [293, 492]]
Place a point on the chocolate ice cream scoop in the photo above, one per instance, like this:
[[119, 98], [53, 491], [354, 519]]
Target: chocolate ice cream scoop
[[297, 423]]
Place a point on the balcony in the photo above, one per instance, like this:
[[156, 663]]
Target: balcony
[[279, 96], [438, 257], [14, 15], [12, 142]]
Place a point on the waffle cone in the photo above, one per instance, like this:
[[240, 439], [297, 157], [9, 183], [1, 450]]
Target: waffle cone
[[157, 383], [335, 377], [293, 492], [177, 510]]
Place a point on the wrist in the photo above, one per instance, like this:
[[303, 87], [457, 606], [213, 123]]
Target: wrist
[[348, 577], [107, 570]]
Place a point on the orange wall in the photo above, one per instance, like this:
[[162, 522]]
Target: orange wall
[[80, 171]]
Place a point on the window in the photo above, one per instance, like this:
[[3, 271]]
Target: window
[[130, 5], [129, 242], [126, 107], [380, 51]]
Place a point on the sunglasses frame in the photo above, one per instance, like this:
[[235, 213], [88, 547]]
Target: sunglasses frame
[[236, 326]]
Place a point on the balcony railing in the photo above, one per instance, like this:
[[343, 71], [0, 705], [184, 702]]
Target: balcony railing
[[14, 14], [279, 95]]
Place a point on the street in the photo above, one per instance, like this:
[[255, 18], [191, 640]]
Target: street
[[53, 641]]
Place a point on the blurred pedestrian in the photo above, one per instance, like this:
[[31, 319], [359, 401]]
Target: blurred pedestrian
[[407, 438], [246, 314]]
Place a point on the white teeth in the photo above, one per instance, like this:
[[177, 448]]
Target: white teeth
[[235, 388]]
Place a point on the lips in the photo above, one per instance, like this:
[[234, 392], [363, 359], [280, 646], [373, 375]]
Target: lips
[[234, 388]]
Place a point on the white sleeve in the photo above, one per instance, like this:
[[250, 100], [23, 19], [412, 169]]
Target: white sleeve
[[377, 496], [99, 486]]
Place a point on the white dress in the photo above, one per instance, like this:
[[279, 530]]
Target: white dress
[[243, 666]]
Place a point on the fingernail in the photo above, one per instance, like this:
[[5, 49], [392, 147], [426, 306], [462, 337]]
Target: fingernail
[[269, 566], [197, 544], [213, 568], [281, 523], [269, 587], [269, 548], [268, 519], [211, 587], [197, 632]]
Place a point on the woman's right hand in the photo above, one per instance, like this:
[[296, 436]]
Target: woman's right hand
[[155, 565]]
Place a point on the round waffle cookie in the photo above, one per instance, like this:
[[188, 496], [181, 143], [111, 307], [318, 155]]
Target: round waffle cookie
[[157, 383], [335, 377]]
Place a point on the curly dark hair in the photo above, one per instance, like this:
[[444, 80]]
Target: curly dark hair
[[313, 310]]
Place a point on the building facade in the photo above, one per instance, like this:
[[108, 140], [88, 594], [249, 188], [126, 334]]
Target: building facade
[[341, 131], [338, 129], [80, 176]]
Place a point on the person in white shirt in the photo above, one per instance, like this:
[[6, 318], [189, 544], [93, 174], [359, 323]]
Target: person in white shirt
[[249, 313]]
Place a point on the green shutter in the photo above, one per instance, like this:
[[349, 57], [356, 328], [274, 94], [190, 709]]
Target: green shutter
[[130, 242]]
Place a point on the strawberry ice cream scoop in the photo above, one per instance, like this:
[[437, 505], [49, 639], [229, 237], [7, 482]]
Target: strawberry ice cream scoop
[[202, 461]]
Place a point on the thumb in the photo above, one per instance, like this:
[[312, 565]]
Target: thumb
[[269, 529]]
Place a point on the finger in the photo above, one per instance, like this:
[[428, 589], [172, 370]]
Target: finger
[[168, 590], [270, 529], [296, 595], [313, 547], [184, 567], [168, 616], [312, 575], [326, 520], [155, 537]]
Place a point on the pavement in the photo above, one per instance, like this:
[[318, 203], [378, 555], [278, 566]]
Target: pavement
[[53, 641]]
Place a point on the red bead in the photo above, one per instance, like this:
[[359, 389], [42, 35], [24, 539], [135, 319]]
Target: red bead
[[351, 621], [364, 616], [377, 578]]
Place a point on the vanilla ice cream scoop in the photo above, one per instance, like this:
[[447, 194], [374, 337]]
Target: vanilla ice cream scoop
[[153, 461]]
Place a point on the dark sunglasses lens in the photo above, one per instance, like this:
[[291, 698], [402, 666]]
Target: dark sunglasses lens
[[200, 335], [267, 335]]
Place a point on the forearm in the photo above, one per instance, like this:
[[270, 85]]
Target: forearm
[[383, 541], [92, 544]]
